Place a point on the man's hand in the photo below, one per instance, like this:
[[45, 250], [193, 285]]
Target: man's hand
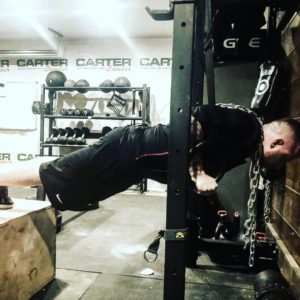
[[205, 184]]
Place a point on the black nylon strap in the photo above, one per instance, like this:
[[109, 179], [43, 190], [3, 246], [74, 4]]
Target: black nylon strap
[[168, 235], [209, 62], [153, 247]]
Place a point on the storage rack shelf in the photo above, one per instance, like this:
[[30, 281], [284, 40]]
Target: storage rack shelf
[[95, 117]]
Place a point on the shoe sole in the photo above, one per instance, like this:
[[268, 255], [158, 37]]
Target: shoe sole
[[6, 206]]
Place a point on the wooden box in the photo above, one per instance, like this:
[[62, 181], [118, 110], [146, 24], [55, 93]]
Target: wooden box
[[27, 248]]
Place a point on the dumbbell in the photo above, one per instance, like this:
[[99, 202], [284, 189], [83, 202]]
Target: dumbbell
[[63, 138], [67, 112], [70, 112], [36, 107], [71, 140], [63, 112], [84, 132], [55, 139], [47, 109], [87, 112], [78, 112], [54, 133]]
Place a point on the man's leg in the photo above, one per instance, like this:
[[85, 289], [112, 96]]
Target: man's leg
[[21, 174]]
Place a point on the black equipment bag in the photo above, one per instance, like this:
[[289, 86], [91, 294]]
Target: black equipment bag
[[238, 34]]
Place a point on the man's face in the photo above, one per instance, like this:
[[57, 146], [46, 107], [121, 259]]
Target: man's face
[[279, 150]]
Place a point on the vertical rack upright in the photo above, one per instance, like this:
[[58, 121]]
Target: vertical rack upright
[[181, 96]]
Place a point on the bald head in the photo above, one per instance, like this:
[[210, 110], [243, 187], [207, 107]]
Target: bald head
[[281, 142]]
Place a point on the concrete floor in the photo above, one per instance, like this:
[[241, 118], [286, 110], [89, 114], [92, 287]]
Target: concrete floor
[[100, 256]]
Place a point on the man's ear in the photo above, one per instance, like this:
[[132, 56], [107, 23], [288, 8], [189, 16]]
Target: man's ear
[[276, 143]]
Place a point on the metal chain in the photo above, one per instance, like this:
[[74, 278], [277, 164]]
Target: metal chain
[[254, 176], [250, 223], [267, 201]]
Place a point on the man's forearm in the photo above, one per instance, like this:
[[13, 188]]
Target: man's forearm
[[204, 183], [196, 132]]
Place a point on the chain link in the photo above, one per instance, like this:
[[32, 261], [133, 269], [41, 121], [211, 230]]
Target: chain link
[[250, 223], [254, 176], [267, 201]]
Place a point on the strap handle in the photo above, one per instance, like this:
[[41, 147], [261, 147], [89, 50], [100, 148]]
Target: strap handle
[[151, 255]]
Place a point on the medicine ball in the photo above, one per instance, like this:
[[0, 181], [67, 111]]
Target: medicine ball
[[271, 285], [82, 83], [108, 86], [123, 83], [69, 83], [56, 78]]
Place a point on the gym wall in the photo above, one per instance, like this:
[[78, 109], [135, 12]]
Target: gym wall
[[286, 194], [142, 61]]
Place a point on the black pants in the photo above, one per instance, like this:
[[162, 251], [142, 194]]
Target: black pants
[[93, 173]]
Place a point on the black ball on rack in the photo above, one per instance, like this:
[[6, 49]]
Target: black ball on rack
[[106, 86], [123, 84], [56, 79], [81, 84]]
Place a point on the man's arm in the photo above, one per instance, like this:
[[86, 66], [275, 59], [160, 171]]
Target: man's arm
[[205, 184]]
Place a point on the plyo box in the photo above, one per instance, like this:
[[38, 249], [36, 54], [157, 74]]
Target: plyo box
[[27, 248]]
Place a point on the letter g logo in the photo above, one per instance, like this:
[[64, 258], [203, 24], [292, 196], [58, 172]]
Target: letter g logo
[[230, 43]]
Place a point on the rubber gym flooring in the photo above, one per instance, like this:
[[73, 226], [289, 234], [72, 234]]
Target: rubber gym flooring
[[100, 256]]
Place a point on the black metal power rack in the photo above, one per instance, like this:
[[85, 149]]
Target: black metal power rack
[[190, 37]]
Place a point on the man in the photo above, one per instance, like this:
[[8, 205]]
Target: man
[[127, 154], [233, 134]]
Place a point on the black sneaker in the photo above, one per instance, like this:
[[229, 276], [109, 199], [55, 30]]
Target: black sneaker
[[5, 200]]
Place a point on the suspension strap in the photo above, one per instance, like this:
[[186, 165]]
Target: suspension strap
[[209, 61], [176, 235], [153, 248]]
